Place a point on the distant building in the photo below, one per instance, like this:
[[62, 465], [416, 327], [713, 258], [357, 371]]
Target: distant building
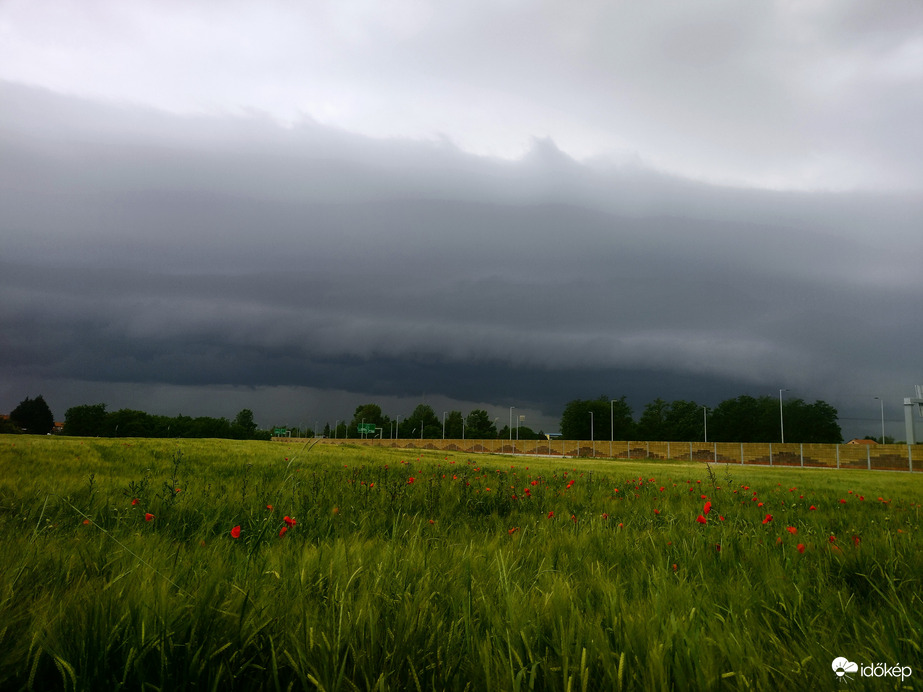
[[857, 441]]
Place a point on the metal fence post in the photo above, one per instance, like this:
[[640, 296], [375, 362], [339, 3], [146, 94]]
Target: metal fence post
[[770, 453]]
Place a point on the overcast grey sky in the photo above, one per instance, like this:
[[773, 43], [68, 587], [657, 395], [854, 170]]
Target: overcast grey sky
[[301, 207]]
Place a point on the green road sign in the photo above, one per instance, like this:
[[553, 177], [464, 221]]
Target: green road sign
[[366, 428]]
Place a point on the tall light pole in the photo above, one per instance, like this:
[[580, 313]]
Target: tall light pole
[[781, 419], [612, 421], [705, 421], [463, 428], [518, 421], [881, 401], [511, 422], [336, 426]]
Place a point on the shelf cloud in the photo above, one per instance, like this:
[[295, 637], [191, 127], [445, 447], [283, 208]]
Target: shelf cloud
[[309, 209]]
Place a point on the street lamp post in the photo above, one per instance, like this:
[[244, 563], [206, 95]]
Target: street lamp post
[[881, 401], [612, 421], [511, 422], [336, 426], [592, 440], [781, 419]]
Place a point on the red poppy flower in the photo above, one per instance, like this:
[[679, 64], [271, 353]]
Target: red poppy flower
[[148, 517], [86, 522], [288, 520], [621, 525], [134, 502], [812, 508], [718, 547], [701, 519], [855, 539], [791, 529], [707, 508], [832, 539], [235, 532], [842, 502], [269, 507], [551, 515], [767, 519], [513, 530], [574, 517], [605, 516], [283, 531], [411, 480], [800, 547], [656, 511]]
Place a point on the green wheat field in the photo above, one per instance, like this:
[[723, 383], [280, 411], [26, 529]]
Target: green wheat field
[[222, 565]]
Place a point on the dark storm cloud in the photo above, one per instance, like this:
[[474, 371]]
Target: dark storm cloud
[[145, 248]]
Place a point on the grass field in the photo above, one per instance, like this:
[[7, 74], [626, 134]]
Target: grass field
[[164, 565]]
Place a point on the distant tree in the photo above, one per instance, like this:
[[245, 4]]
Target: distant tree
[[478, 426], [749, 419], [423, 418], [128, 423], [610, 417], [243, 427], [453, 425], [88, 420], [33, 416], [745, 419], [367, 413], [327, 430], [652, 425], [684, 421], [817, 422]]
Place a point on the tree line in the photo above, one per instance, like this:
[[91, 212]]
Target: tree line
[[742, 419], [93, 420], [424, 423], [34, 416]]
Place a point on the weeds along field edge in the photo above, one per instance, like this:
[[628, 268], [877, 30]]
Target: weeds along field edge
[[244, 565]]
